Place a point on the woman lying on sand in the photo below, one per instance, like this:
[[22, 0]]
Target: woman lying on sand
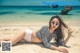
[[45, 34]]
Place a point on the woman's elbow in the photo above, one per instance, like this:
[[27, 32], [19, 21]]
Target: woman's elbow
[[47, 46]]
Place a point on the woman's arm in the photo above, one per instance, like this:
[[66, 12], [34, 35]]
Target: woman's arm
[[69, 35], [48, 45]]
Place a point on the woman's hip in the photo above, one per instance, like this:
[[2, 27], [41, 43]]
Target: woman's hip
[[30, 36]]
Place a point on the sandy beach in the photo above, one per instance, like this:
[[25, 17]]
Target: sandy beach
[[12, 30]]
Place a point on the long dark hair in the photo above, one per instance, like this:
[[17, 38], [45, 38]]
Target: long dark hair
[[58, 31]]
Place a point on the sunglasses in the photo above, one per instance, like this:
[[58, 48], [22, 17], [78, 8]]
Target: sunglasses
[[56, 23]]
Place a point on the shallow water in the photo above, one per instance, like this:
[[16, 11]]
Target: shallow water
[[25, 14]]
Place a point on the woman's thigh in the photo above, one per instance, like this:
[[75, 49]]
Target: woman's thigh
[[22, 40]]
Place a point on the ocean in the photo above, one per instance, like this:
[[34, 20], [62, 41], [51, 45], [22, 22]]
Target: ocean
[[26, 14]]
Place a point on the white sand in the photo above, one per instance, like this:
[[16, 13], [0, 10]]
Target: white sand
[[12, 30]]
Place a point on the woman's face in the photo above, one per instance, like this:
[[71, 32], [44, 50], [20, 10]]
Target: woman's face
[[55, 23]]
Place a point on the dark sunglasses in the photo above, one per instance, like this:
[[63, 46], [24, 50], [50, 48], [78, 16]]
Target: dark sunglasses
[[55, 23]]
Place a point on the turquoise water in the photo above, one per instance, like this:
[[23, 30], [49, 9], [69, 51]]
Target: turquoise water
[[23, 14]]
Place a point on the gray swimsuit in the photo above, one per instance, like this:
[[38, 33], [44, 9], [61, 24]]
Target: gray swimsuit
[[44, 35]]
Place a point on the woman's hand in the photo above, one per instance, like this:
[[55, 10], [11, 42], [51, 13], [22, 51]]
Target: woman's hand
[[70, 30], [63, 50]]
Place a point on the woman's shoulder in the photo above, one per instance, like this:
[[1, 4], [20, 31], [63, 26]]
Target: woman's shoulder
[[44, 28]]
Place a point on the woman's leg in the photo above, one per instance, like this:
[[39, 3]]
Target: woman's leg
[[15, 39], [2, 39]]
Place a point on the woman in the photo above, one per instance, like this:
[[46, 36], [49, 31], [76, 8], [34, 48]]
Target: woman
[[45, 34]]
